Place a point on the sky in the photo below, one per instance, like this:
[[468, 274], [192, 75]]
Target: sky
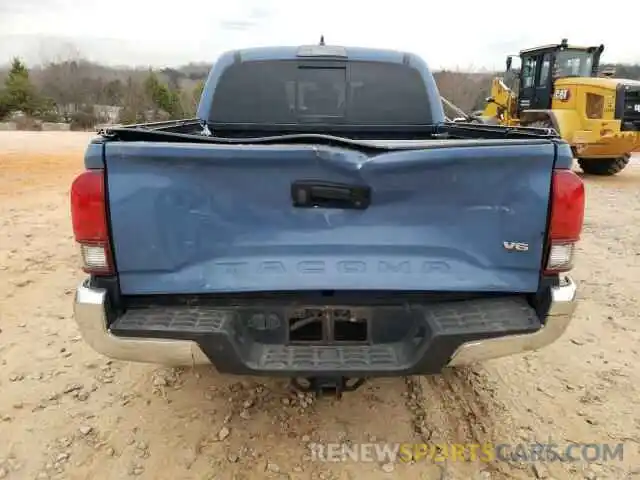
[[460, 34]]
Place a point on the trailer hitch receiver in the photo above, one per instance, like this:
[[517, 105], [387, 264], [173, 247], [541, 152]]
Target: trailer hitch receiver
[[320, 385]]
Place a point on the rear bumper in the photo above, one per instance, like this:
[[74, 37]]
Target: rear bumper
[[91, 313], [563, 304], [228, 354]]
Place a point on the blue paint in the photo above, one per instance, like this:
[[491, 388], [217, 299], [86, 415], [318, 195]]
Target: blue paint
[[205, 218], [564, 154], [93, 156], [190, 218]]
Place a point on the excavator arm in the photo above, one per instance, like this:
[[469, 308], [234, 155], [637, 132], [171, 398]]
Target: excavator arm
[[500, 108], [501, 104]]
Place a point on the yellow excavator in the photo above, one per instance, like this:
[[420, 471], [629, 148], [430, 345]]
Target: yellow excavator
[[560, 86]]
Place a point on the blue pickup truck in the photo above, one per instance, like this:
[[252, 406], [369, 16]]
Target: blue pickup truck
[[320, 220]]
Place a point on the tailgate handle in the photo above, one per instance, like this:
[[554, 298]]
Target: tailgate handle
[[314, 194]]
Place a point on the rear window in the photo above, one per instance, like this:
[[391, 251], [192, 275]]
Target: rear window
[[285, 92]]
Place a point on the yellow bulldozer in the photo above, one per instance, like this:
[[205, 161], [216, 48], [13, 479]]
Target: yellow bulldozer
[[561, 87]]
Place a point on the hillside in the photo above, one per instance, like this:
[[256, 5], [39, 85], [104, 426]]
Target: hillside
[[78, 84]]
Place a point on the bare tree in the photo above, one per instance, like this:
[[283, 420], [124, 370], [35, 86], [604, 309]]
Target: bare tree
[[466, 90]]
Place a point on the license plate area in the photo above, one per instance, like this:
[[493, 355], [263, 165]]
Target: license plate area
[[329, 325]]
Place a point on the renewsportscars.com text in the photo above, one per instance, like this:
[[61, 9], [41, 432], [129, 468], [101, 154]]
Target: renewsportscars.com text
[[465, 452]]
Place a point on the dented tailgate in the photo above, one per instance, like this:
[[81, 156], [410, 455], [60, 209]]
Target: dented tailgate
[[189, 218]]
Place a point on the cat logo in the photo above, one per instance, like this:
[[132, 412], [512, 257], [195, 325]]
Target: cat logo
[[562, 94], [515, 246]]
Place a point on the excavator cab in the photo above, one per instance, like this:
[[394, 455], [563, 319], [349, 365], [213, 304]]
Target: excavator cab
[[542, 66]]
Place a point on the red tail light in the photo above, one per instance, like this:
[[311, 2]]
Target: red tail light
[[567, 218], [89, 219]]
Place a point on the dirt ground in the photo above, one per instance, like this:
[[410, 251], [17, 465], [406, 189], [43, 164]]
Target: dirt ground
[[67, 412]]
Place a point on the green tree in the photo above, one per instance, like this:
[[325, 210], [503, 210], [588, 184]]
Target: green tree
[[163, 97], [175, 105], [19, 93]]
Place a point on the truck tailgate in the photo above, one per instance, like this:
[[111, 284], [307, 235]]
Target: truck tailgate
[[189, 218]]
